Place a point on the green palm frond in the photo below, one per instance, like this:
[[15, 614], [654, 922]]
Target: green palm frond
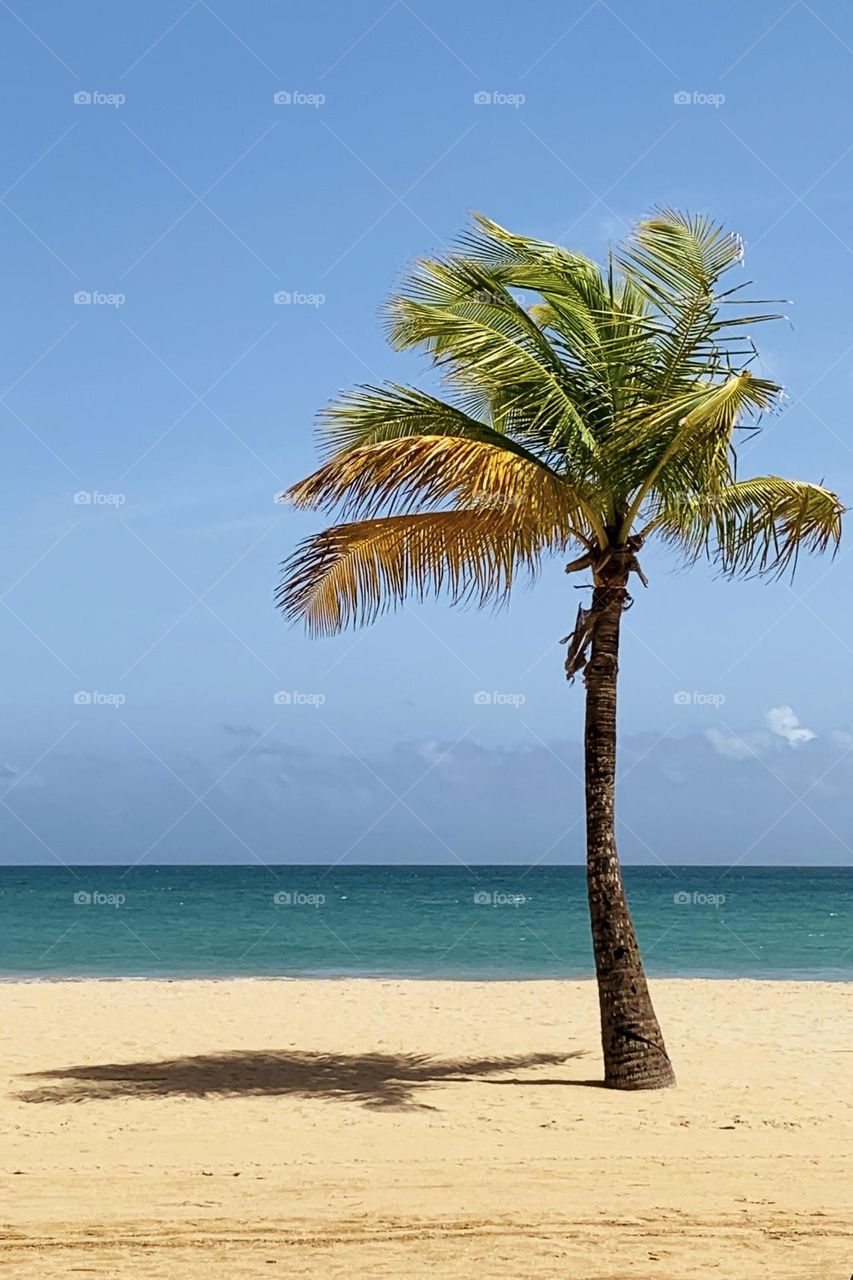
[[466, 319], [676, 255], [684, 444], [596, 324], [520, 262], [372, 415], [676, 262], [756, 526]]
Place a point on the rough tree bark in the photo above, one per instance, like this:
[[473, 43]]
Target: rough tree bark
[[635, 1056]]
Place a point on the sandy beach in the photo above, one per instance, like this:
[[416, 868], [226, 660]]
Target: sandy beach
[[396, 1129]]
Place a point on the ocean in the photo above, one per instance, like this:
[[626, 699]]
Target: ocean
[[419, 922]]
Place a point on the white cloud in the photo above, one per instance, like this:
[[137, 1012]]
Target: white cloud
[[731, 746], [785, 723]]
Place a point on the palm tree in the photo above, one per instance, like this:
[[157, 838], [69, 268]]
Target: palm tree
[[589, 418]]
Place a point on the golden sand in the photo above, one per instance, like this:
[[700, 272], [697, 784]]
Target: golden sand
[[403, 1129]]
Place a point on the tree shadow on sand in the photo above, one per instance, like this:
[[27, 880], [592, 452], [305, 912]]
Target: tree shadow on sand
[[376, 1080]]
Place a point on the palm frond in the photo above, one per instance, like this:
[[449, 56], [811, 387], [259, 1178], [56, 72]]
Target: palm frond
[[466, 319], [522, 262], [372, 415], [684, 444], [348, 575], [756, 526], [591, 319], [417, 472], [675, 261], [676, 255]]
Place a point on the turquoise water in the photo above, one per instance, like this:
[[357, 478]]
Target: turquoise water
[[442, 922]]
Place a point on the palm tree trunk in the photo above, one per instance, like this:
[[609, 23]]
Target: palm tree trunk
[[634, 1053]]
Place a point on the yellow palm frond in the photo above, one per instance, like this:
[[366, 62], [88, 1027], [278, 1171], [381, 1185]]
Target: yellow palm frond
[[351, 573], [413, 472]]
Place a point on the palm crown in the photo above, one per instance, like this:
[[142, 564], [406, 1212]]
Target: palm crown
[[587, 409]]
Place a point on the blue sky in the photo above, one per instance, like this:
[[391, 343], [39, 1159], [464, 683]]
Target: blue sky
[[181, 197]]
